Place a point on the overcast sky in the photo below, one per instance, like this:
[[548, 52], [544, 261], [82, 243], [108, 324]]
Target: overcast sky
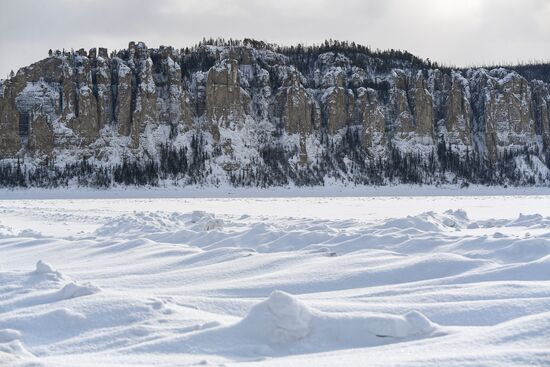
[[460, 32]]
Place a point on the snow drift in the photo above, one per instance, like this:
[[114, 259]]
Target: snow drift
[[282, 318], [158, 282]]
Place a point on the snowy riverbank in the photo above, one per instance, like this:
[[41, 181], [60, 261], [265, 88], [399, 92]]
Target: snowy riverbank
[[227, 191]]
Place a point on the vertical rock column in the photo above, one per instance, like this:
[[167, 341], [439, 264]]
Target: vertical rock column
[[145, 106], [371, 115], [102, 88], [422, 107], [136, 95], [123, 108], [41, 137], [399, 108], [338, 105], [411, 108], [541, 111], [10, 142], [173, 99], [223, 93], [458, 113], [503, 111], [84, 118], [296, 107]]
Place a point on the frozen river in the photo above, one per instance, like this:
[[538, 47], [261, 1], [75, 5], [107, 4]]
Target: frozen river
[[309, 281]]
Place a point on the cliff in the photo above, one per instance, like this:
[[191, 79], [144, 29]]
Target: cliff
[[248, 113]]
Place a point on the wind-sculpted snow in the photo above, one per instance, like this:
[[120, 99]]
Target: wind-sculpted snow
[[282, 323], [184, 287], [146, 223]]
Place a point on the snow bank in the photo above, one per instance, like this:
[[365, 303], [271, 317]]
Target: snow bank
[[334, 190]]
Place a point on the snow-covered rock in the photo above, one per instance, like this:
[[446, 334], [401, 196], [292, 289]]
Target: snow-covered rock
[[251, 116]]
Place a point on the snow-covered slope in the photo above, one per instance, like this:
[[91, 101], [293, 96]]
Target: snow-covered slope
[[145, 282]]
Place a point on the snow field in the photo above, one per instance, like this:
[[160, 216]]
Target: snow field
[[91, 282]]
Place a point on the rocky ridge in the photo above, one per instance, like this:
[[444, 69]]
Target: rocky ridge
[[337, 112]]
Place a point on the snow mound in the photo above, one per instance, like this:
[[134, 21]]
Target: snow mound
[[53, 318], [412, 324], [43, 268], [150, 223], [523, 220], [6, 232], [281, 318], [527, 220], [455, 218], [418, 323], [429, 221], [203, 221], [73, 290], [30, 233], [138, 223]]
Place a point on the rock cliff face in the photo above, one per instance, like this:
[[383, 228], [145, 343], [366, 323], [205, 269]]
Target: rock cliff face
[[370, 112], [40, 134], [223, 93], [296, 105], [456, 111], [9, 121], [248, 101]]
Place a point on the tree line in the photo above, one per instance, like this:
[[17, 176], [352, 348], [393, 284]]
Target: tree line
[[344, 159]]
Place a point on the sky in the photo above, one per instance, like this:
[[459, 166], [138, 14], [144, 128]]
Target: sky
[[456, 32]]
